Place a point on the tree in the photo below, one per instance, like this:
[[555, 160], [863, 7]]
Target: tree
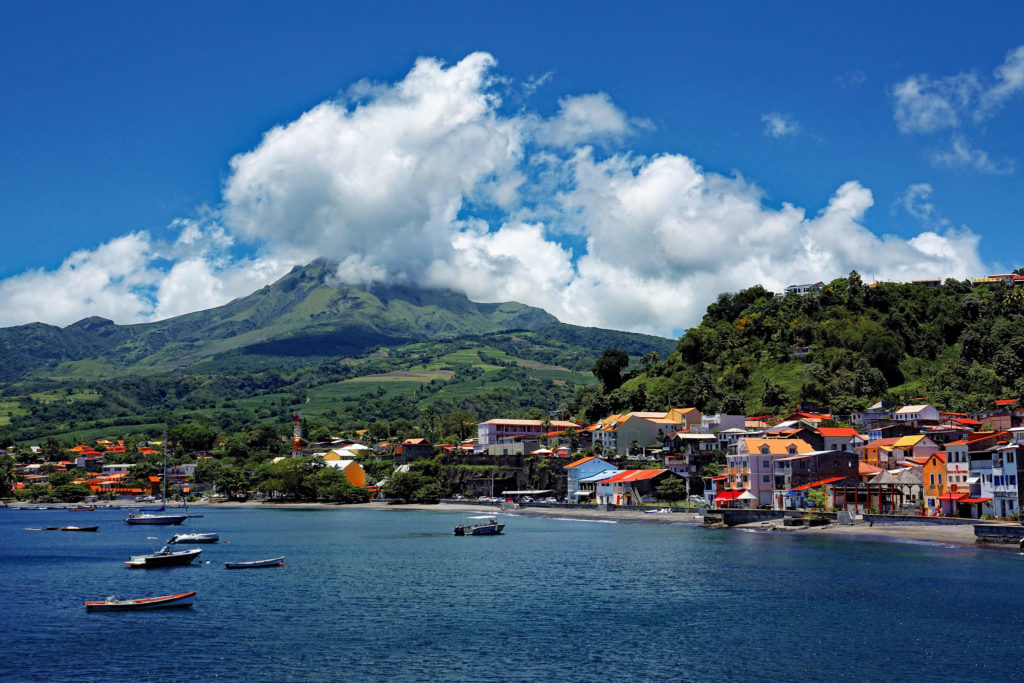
[[818, 498], [6, 474], [574, 439], [672, 489], [404, 485], [773, 396], [192, 436], [608, 368]]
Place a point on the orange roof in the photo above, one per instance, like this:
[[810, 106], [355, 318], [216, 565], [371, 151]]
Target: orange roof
[[867, 468], [581, 461], [777, 446], [837, 431], [414, 442], [633, 475]]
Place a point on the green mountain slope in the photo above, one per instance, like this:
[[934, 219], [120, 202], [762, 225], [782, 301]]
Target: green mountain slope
[[304, 342], [957, 345]]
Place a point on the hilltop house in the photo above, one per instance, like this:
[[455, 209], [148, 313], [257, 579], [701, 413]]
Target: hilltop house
[[917, 415]]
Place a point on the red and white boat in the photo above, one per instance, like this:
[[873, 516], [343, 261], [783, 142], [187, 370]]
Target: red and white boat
[[113, 604]]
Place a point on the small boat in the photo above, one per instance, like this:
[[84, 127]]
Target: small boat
[[42, 528], [82, 508], [165, 557], [194, 538], [147, 518], [659, 511], [256, 564], [113, 604], [95, 527], [490, 527]]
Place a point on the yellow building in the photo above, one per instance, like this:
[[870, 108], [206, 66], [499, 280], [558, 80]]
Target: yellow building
[[352, 470]]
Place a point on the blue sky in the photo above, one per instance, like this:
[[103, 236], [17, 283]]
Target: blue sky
[[809, 139]]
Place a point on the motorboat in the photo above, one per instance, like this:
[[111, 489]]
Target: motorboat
[[488, 527], [256, 564], [113, 604], [165, 557], [157, 518], [195, 537], [94, 527]]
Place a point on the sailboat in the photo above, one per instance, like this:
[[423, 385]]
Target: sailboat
[[157, 515]]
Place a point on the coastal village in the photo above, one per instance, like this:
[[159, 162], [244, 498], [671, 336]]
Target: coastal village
[[905, 460]]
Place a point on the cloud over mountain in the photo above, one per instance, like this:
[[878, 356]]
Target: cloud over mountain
[[434, 181]]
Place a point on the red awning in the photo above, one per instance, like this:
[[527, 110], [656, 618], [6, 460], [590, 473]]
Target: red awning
[[816, 484], [974, 500], [725, 496], [952, 497]]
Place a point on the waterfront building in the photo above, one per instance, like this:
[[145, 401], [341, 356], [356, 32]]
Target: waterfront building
[[752, 469], [793, 472], [631, 487], [582, 469]]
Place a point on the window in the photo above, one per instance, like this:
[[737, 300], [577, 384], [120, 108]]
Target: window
[[931, 481], [1013, 480], [764, 449], [765, 479], [766, 464], [940, 480], [1009, 457]]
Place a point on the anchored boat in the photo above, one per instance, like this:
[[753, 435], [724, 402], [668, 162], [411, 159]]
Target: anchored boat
[[490, 527], [113, 604], [165, 557], [256, 564]]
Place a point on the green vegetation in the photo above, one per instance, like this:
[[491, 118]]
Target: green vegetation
[[957, 346]]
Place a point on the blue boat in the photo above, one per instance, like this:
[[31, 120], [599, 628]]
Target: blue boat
[[491, 527]]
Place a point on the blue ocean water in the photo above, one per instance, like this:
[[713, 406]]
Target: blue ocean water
[[381, 594]]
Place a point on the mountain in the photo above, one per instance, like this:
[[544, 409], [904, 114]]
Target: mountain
[[304, 341], [302, 314]]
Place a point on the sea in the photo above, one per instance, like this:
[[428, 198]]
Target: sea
[[375, 595]]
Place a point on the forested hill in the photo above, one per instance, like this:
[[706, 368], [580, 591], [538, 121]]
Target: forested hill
[[957, 345]]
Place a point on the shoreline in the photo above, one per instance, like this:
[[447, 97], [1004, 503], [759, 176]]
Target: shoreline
[[960, 535]]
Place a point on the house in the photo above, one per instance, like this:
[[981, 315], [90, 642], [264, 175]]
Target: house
[[689, 418], [839, 438], [414, 449], [582, 469], [917, 415], [877, 413], [352, 470], [914, 446], [617, 433], [752, 469], [631, 487], [495, 430], [795, 471], [934, 471], [800, 290], [721, 421], [117, 468]]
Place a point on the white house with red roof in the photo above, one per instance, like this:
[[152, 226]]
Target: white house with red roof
[[631, 487], [840, 438]]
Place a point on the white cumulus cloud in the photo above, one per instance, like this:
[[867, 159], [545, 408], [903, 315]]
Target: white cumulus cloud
[[431, 181], [779, 125]]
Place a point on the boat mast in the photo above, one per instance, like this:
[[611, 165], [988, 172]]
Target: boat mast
[[164, 501]]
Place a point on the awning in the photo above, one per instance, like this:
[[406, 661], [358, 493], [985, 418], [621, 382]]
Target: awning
[[952, 497], [725, 496], [746, 495], [974, 500], [787, 494], [533, 492], [580, 494]]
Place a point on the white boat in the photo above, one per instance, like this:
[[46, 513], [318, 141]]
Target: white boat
[[165, 557], [195, 537], [157, 515], [113, 604], [256, 564]]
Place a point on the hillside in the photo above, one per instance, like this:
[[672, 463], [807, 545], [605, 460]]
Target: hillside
[[956, 345], [305, 342]]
